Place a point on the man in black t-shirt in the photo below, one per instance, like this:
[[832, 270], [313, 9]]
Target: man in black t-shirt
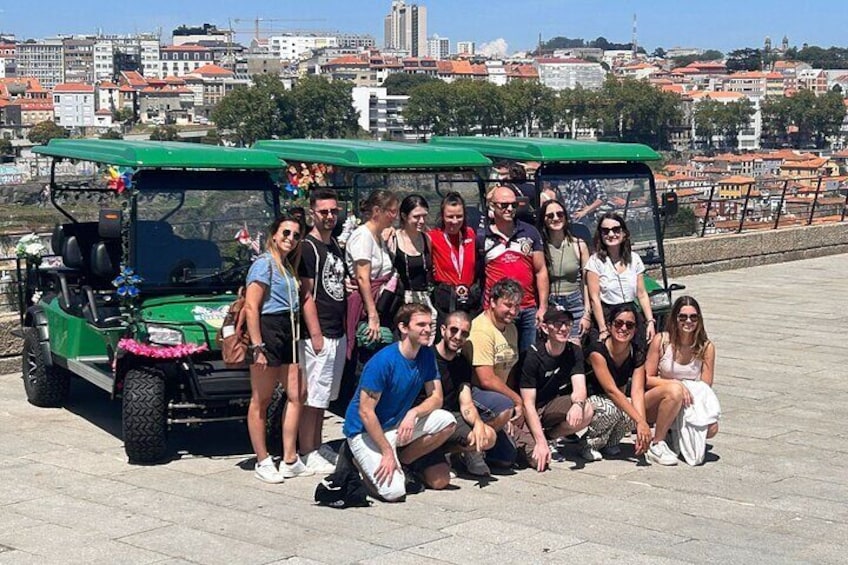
[[472, 435], [553, 390], [322, 352]]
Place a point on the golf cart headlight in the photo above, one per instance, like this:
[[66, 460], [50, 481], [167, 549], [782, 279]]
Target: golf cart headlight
[[660, 300], [160, 335]]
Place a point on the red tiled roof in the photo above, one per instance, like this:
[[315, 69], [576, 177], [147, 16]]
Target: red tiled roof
[[347, 61], [107, 84], [212, 70], [73, 87], [186, 47], [737, 179]]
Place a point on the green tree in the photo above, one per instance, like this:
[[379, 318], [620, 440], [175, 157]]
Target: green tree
[[403, 83], [706, 119], [123, 116], [776, 114], [265, 110], [746, 59], [111, 134], [477, 106], [659, 52], [528, 104], [634, 111], [429, 108], [164, 133], [324, 109], [826, 117], [711, 55], [682, 224], [42, 132], [578, 107]]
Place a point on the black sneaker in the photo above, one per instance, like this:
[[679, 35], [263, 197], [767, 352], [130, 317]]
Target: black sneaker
[[475, 463], [414, 485]]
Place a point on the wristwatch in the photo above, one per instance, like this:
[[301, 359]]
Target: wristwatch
[[257, 346]]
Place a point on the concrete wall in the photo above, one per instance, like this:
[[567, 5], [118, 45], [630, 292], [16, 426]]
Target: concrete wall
[[692, 256], [684, 256]]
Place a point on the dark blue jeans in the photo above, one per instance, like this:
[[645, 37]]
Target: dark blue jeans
[[525, 323]]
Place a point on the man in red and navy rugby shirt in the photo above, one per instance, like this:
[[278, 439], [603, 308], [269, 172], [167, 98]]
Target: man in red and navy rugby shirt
[[510, 248]]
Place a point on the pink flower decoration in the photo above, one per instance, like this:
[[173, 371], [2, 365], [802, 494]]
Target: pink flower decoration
[[160, 351]]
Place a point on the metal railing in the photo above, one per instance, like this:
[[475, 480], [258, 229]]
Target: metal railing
[[770, 203]]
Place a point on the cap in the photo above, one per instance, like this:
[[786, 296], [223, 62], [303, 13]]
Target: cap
[[557, 314]]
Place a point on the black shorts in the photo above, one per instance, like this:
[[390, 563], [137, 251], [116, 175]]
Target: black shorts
[[280, 343]]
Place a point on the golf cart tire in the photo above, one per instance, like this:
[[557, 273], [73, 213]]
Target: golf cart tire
[[46, 385], [144, 423]]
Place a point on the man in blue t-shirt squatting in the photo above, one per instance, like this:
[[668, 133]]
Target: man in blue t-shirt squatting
[[381, 418]]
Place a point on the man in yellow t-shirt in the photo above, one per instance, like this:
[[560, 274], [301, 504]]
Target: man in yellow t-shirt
[[492, 350]]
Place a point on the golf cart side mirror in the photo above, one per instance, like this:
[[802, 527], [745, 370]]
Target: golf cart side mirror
[[670, 204]]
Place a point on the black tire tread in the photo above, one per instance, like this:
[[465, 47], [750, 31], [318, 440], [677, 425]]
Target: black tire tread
[[51, 384], [144, 410]]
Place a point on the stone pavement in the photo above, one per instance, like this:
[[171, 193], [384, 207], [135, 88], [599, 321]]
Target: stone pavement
[[774, 488]]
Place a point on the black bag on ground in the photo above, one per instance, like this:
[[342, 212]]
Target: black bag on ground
[[343, 488]]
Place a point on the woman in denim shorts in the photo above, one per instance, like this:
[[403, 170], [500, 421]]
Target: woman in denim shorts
[[566, 257]]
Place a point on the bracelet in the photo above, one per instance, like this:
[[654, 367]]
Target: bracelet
[[652, 321], [580, 403], [259, 346]]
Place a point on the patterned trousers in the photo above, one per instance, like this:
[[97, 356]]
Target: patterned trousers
[[609, 425]]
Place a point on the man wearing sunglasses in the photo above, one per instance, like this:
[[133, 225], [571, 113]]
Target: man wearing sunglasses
[[553, 390], [513, 249], [322, 275], [474, 434]]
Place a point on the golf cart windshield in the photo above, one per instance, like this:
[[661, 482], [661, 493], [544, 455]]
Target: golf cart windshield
[[199, 238]]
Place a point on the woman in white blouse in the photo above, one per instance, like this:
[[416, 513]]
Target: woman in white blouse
[[615, 275]]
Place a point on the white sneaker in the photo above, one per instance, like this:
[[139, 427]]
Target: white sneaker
[[266, 471], [660, 454], [317, 464], [590, 454], [296, 469]]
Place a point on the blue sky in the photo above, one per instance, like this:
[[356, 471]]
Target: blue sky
[[722, 24]]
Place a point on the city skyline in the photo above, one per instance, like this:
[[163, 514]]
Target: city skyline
[[721, 24]]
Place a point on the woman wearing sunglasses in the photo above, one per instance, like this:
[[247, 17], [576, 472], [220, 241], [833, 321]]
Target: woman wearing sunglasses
[[615, 275], [680, 369], [272, 312], [616, 362], [566, 257]]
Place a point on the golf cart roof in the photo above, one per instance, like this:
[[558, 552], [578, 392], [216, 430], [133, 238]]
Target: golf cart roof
[[547, 150], [159, 154], [374, 154]]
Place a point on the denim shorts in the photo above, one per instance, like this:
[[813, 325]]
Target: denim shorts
[[490, 404]]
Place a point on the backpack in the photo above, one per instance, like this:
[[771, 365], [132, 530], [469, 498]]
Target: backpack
[[343, 488], [231, 336]]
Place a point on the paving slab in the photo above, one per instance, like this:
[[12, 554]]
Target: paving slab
[[774, 488]]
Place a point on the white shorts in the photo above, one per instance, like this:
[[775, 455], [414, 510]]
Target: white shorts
[[368, 455], [323, 371]]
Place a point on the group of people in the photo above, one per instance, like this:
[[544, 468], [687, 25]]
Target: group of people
[[479, 348]]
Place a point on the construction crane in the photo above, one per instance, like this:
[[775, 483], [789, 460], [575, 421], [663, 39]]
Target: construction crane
[[257, 21]]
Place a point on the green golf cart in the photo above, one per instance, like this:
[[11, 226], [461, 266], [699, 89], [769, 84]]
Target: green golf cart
[[617, 172], [154, 245]]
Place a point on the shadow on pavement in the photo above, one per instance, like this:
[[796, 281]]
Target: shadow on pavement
[[207, 440]]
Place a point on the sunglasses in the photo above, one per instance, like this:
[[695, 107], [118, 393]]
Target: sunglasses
[[554, 215], [606, 231], [506, 205], [627, 324], [563, 325], [452, 331], [328, 212], [295, 235], [687, 317]]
